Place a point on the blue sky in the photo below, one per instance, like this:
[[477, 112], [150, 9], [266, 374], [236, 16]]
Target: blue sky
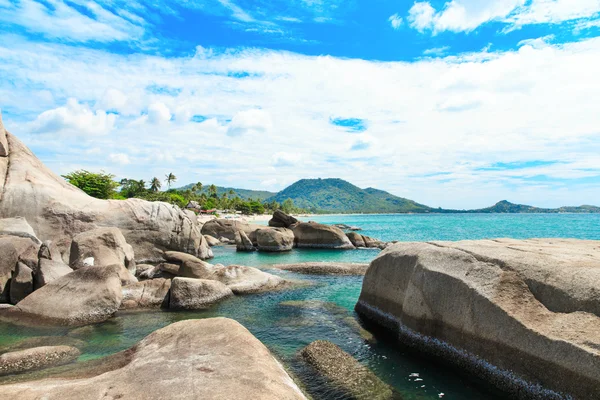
[[454, 103]]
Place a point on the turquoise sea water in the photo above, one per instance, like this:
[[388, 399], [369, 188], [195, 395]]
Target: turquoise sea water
[[289, 320]]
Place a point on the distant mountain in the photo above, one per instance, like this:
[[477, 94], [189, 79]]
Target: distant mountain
[[339, 196], [244, 194], [508, 207]]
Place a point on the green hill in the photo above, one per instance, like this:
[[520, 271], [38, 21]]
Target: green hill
[[339, 196], [508, 207], [244, 194]]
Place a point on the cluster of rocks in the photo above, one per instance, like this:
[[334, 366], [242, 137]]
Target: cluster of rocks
[[522, 314], [283, 234]]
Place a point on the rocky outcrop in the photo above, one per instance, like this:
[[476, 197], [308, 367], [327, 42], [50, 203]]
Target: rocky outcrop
[[242, 242], [226, 228], [359, 240], [213, 358], [212, 241], [48, 271], [275, 239], [244, 280], [492, 306], [153, 293], [356, 239], [344, 373], [86, 296], [19, 227], [12, 250], [21, 284], [325, 268], [101, 247], [186, 266], [314, 235], [282, 220], [196, 294], [36, 358], [58, 211]]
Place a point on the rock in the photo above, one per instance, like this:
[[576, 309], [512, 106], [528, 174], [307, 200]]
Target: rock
[[224, 240], [212, 241], [107, 246], [242, 242], [189, 266], [48, 271], [214, 358], [152, 293], [3, 140], [244, 280], [169, 268], [374, 243], [345, 227], [58, 211], [344, 373], [530, 307], [227, 228], [21, 284], [49, 251], [19, 227], [12, 250], [314, 235], [43, 341], [275, 239], [325, 268], [86, 296], [356, 239], [36, 358], [196, 294], [141, 269], [282, 220]]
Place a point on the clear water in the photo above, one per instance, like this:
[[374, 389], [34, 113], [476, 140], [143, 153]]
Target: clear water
[[289, 320]]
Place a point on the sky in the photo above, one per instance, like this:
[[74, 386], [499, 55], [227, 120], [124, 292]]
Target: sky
[[455, 104]]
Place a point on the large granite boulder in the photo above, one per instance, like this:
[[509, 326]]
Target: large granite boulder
[[58, 211], [244, 280], [275, 239], [212, 241], [282, 220], [243, 242], [153, 293], [48, 271], [324, 268], [12, 250], [359, 240], [17, 226], [36, 358], [21, 284], [531, 307], [186, 266], [314, 235], [213, 358], [101, 247], [196, 294], [346, 375], [226, 228], [86, 296]]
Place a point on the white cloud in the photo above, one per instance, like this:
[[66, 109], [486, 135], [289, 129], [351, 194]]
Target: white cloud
[[396, 21], [250, 121], [455, 115], [75, 119], [467, 15], [119, 158], [436, 51]]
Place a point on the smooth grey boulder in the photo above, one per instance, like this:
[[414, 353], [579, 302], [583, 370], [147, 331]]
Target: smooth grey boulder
[[153, 293], [212, 241], [18, 226], [58, 211], [314, 235], [49, 251], [101, 247], [21, 284], [48, 271], [325, 268], [36, 358], [187, 266], [356, 239], [242, 242], [12, 250], [344, 373], [282, 220], [196, 294], [214, 358], [530, 307], [86, 296], [244, 280], [275, 239], [227, 228]]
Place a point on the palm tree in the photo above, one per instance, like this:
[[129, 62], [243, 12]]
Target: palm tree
[[197, 188], [170, 179], [212, 191], [155, 184]]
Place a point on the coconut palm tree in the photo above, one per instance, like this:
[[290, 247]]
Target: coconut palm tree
[[155, 184], [197, 188], [212, 191], [170, 179]]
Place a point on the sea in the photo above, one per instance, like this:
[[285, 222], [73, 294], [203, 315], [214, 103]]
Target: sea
[[287, 321]]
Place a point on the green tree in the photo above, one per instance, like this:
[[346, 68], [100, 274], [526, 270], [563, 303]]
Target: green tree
[[100, 185], [132, 188], [155, 184], [197, 188], [288, 206], [170, 179], [212, 191]]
